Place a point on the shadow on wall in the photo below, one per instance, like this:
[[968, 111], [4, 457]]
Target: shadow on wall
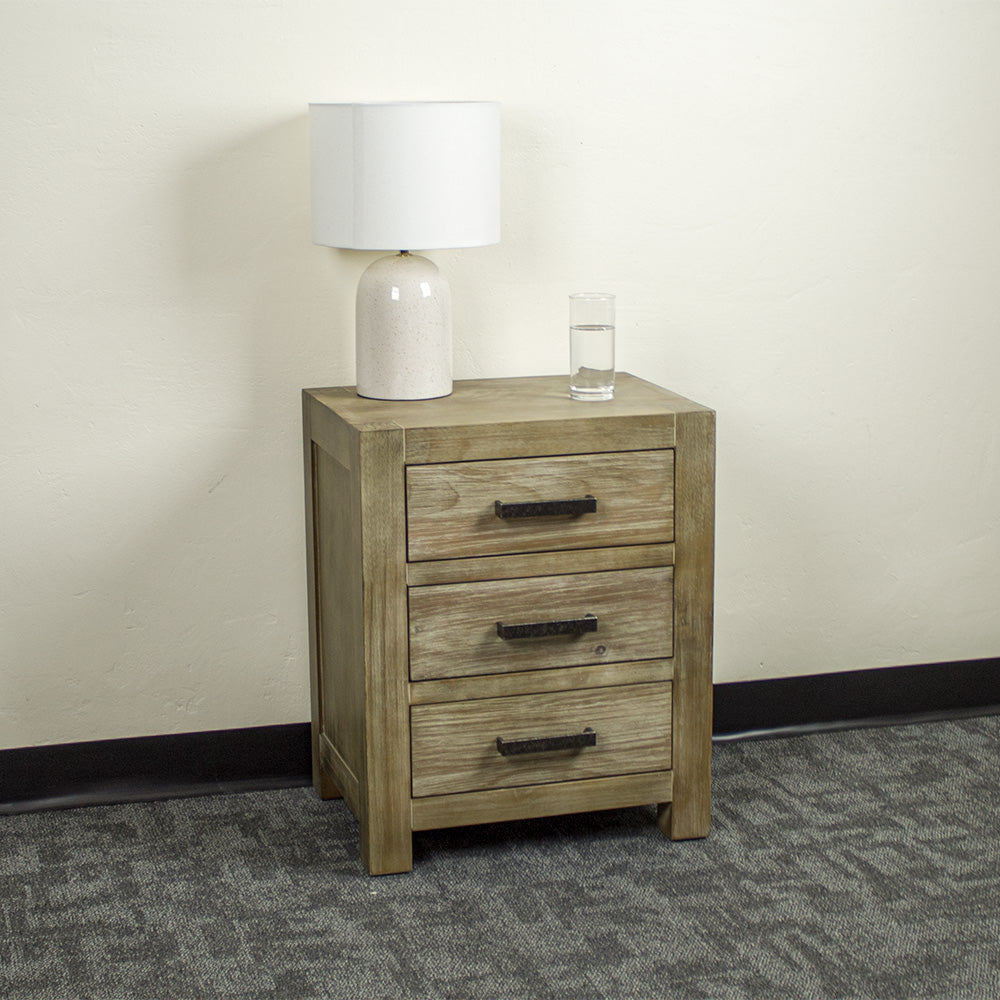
[[244, 238], [166, 591]]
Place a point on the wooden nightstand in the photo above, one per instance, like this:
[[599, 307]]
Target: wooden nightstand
[[510, 606]]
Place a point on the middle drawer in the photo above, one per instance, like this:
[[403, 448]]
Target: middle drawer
[[502, 626]]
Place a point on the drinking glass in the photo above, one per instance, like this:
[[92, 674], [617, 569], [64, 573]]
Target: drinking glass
[[592, 345]]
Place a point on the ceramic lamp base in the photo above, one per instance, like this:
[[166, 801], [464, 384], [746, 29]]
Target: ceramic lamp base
[[403, 317]]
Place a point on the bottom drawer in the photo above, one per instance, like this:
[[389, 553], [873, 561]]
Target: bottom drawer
[[454, 746]]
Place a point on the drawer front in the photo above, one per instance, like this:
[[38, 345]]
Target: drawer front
[[500, 626], [454, 746], [452, 509]]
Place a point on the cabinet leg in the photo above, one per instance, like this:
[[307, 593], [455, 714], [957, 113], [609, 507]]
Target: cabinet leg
[[683, 824], [386, 851], [663, 817], [325, 786]]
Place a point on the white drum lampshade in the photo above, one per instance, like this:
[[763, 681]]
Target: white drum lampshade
[[405, 176]]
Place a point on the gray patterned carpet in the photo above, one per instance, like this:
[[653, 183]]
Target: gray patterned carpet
[[854, 864]]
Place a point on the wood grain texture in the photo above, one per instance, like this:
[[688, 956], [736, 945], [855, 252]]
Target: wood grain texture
[[537, 681], [689, 814], [454, 745], [357, 453], [451, 508], [329, 432], [515, 439], [453, 627], [386, 843], [501, 418], [538, 564], [339, 676], [530, 801], [323, 789], [335, 767]]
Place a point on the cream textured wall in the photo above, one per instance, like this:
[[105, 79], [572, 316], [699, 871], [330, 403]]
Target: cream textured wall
[[796, 201]]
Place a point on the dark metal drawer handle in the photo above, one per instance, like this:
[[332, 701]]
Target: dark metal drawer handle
[[534, 630], [545, 508], [510, 748]]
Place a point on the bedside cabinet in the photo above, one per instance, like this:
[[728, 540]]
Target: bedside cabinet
[[510, 606]]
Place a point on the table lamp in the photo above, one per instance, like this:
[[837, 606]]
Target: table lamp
[[404, 176]]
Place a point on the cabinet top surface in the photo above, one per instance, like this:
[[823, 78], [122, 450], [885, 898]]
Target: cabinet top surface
[[505, 400]]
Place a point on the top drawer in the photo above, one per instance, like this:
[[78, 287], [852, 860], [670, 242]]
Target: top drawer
[[452, 509]]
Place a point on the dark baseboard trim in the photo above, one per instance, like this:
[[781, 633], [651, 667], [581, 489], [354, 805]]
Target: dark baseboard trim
[[794, 706], [147, 768]]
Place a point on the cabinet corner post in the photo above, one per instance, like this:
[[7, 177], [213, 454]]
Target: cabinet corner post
[[386, 826], [689, 814]]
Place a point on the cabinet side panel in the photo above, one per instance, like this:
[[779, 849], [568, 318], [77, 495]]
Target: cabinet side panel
[[339, 612]]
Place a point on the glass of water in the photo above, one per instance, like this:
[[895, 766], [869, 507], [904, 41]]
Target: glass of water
[[592, 345]]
